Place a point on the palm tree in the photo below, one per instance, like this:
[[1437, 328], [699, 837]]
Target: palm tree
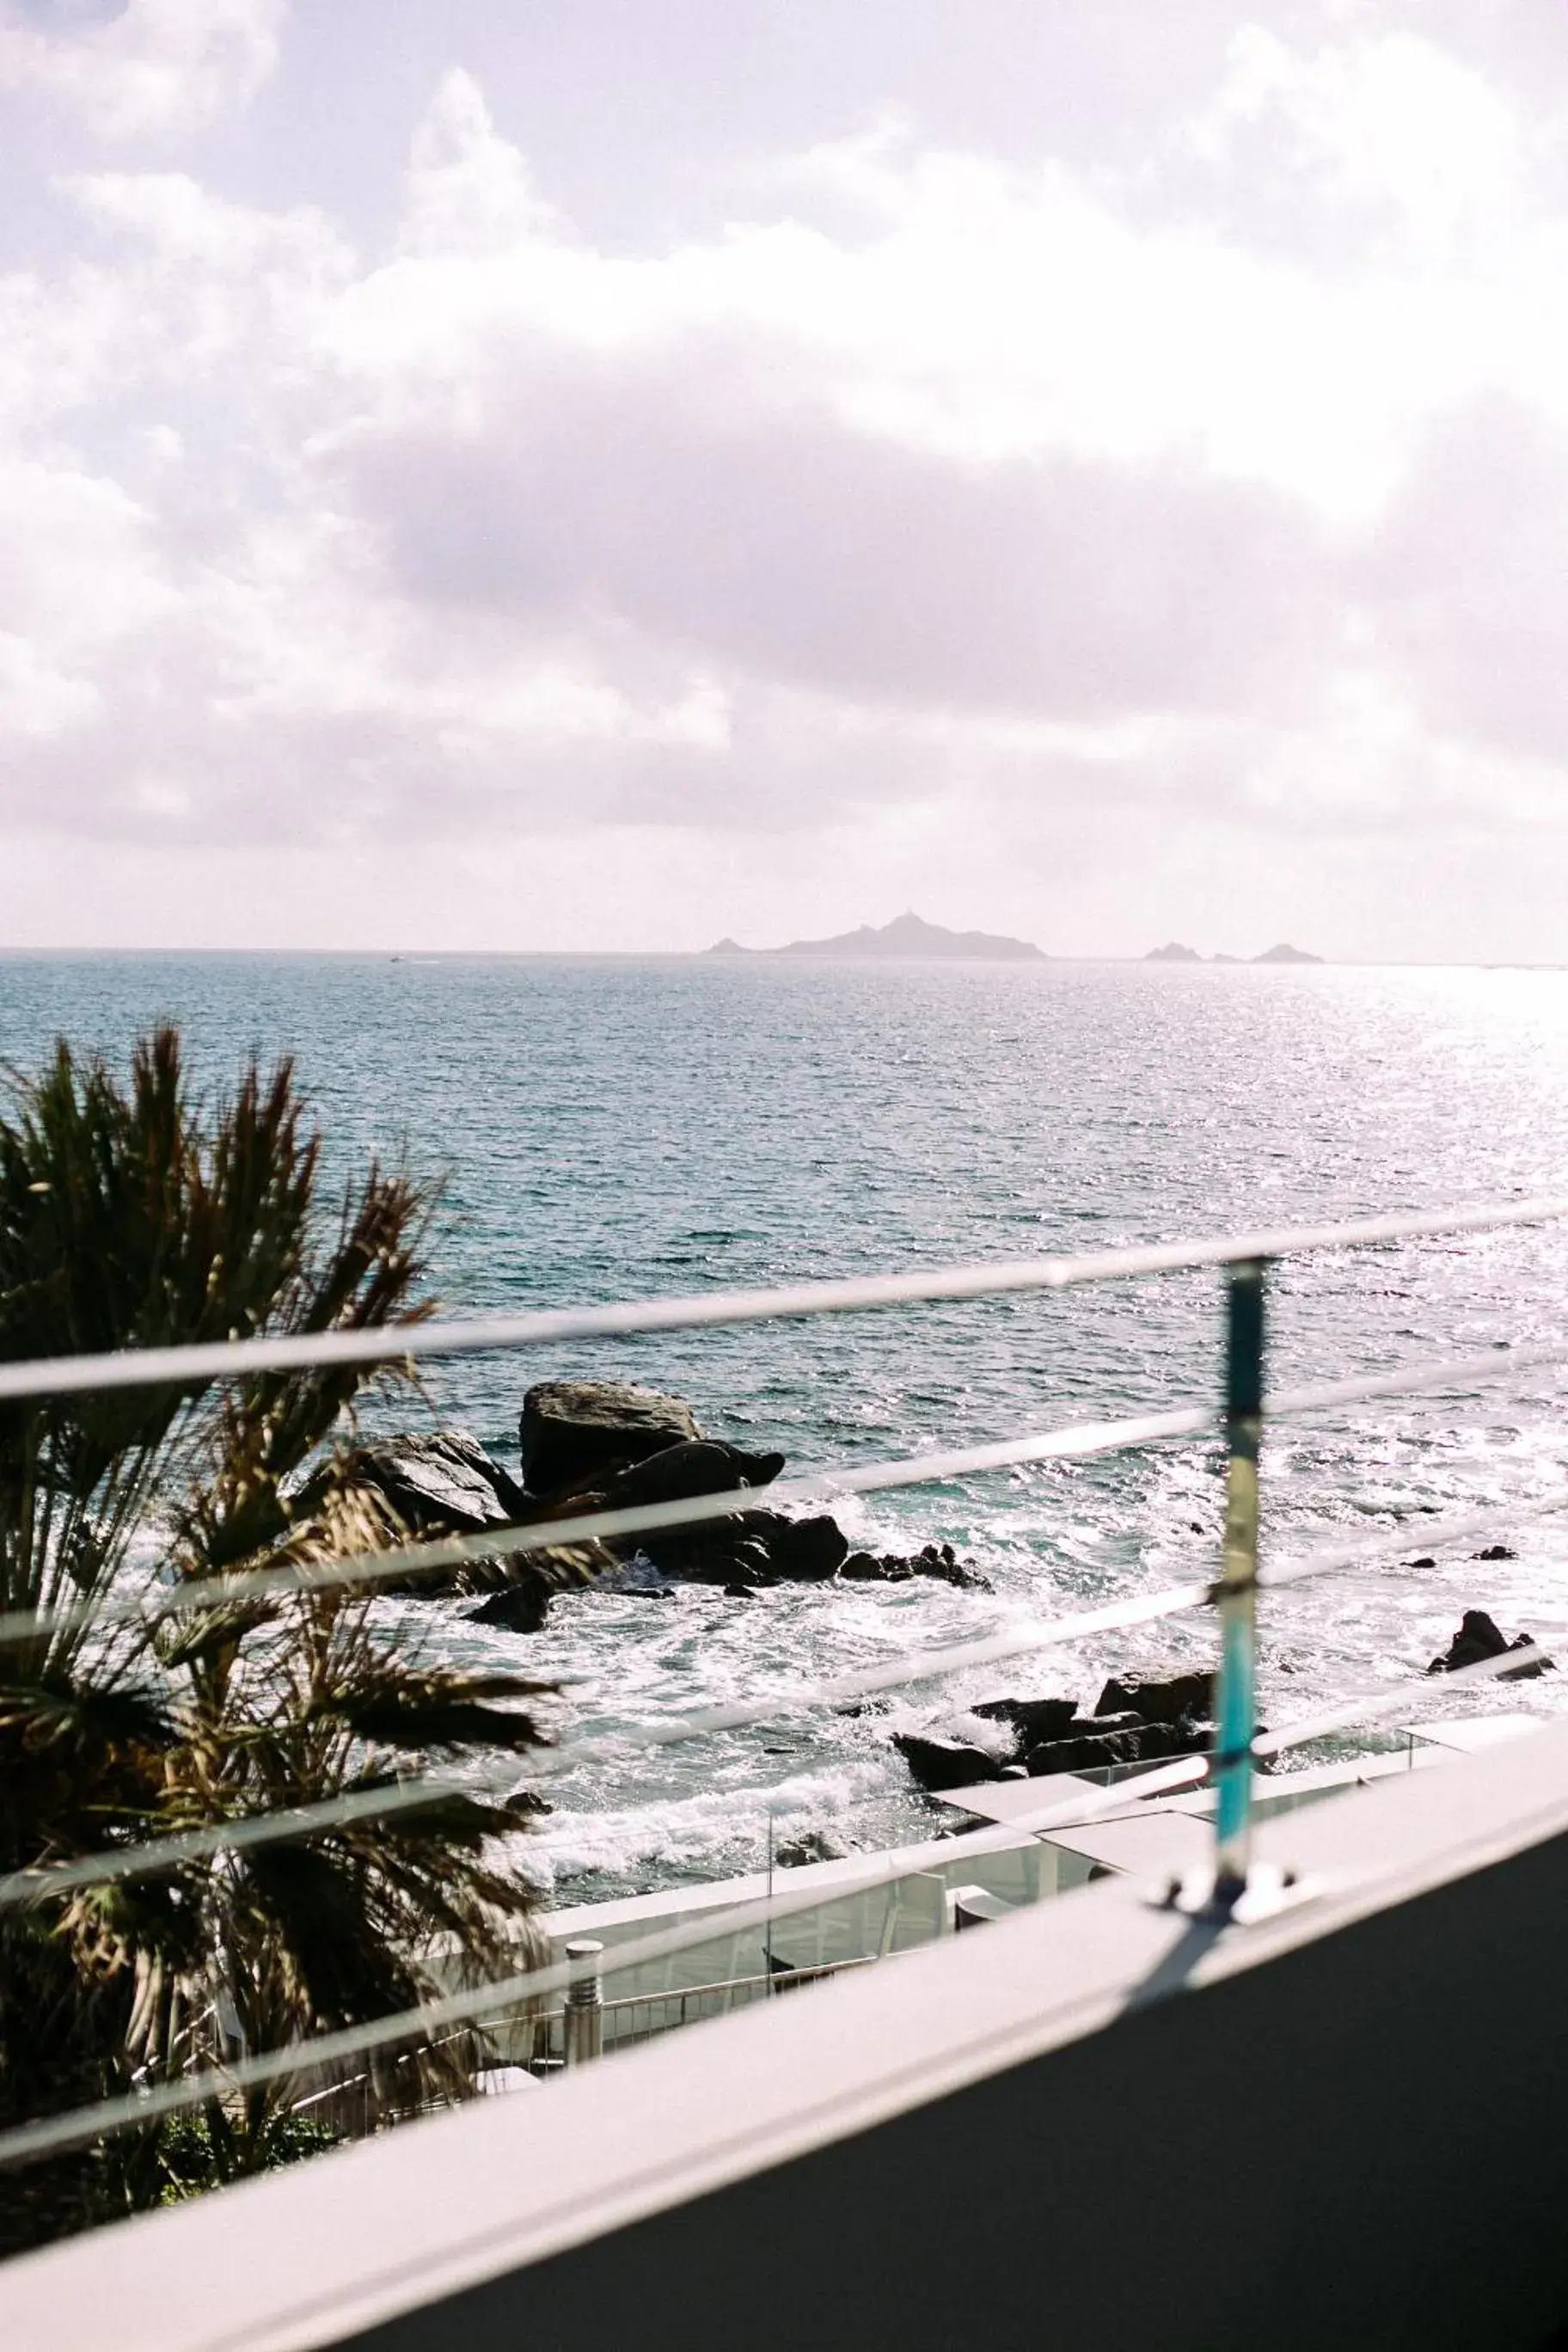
[[132, 1215]]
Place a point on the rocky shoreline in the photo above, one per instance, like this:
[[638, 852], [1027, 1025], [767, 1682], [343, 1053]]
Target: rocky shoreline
[[602, 1445]]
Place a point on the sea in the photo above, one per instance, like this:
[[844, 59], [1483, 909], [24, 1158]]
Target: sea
[[619, 1127]]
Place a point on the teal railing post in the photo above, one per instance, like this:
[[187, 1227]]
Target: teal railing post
[[1237, 1593]]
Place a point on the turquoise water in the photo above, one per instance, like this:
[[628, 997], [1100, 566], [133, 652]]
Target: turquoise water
[[619, 1128]]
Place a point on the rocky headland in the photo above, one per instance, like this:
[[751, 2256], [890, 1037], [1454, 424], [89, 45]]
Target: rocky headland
[[908, 937]]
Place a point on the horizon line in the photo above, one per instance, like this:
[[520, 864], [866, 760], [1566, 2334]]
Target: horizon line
[[625, 955]]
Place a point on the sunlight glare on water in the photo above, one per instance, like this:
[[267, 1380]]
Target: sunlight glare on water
[[624, 1128]]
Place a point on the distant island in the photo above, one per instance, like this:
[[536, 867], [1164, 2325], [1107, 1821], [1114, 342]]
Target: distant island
[[1174, 952], [906, 935]]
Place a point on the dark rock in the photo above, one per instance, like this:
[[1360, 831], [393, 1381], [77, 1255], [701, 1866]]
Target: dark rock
[[1425, 1560], [526, 1801], [1496, 1551], [711, 1554], [936, 1561], [745, 1561], [1090, 1745], [1157, 1742], [1088, 1753], [812, 1846], [939, 1561], [443, 1483], [679, 1474], [1479, 1638], [1033, 1719], [800, 1550], [740, 1592], [574, 1430], [945, 1763], [1178, 1698], [516, 1608], [749, 1548]]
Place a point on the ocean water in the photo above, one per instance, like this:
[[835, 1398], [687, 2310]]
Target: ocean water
[[622, 1128]]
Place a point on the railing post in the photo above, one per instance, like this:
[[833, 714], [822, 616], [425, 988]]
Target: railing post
[[1235, 1713], [583, 2022]]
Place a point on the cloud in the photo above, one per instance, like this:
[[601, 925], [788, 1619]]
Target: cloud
[[933, 499], [1391, 128], [1469, 580], [151, 68], [799, 549]]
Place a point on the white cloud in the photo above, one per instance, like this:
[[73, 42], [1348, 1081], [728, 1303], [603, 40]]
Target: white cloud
[[935, 502], [155, 66], [469, 190], [1389, 123]]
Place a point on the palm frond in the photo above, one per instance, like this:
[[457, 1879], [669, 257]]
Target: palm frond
[[134, 1215]]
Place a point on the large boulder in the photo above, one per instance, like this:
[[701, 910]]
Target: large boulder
[[938, 1764], [799, 1551], [441, 1483], [679, 1473], [1128, 1742], [1088, 1752], [573, 1432], [1180, 1698], [522, 1606], [445, 1483], [1033, 1720], [749, 1548], [1479, 1637]]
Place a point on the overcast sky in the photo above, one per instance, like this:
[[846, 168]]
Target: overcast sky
[[611, 473]]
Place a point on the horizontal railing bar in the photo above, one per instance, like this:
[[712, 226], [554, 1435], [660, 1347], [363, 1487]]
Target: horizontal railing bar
[[1427, 1535], [1170, 1601], [609, 2008], [27, 1886], [1368, 1707], [158, 1602], [236, 1358], [1077, 1441], [19, 1888], [24, 1886], [52, 2134]]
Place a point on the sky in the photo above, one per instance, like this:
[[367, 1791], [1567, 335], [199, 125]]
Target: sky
[[603, 477]]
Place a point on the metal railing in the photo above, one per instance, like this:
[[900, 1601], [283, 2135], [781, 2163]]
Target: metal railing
[[1242, 1412], [635, 2017]]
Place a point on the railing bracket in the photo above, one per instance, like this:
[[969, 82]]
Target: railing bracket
[[1267, 1892]]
